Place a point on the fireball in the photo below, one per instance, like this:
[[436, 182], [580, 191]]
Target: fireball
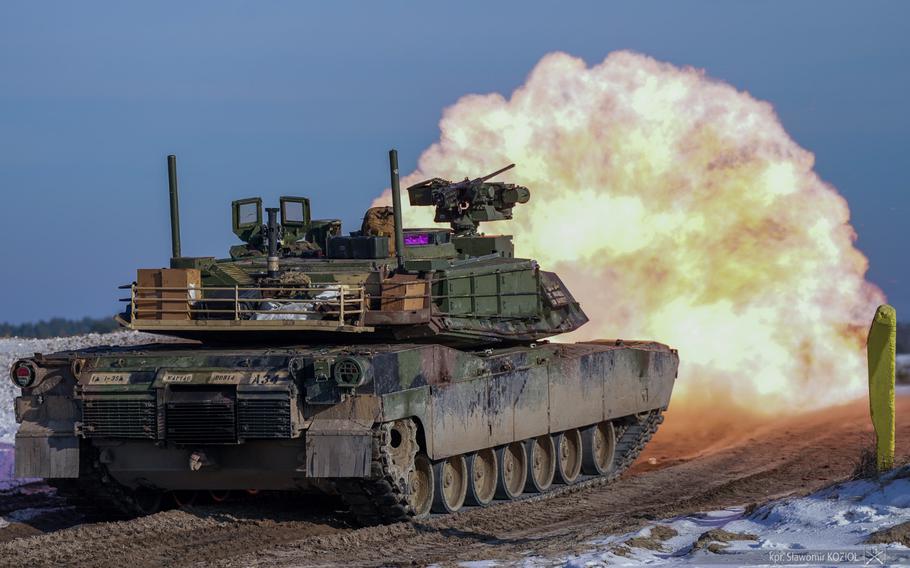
[[676, 208]]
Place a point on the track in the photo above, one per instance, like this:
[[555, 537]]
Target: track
[[689, 466]]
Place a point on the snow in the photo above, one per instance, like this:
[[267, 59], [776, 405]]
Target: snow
[[828, 527], [6, 465]]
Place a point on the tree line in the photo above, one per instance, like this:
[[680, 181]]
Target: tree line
[[58, 327]]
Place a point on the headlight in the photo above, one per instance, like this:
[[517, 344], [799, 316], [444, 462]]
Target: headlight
[[23, 374], [351, 372]]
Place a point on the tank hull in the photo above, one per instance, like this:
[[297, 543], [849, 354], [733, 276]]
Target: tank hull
[[171, 417]]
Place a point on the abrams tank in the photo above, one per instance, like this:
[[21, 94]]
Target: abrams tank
[[406, 370]]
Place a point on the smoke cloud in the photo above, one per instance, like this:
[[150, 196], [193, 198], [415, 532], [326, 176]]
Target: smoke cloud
[[676, 208]]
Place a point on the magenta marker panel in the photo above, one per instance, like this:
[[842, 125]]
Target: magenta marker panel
[[416, 239]]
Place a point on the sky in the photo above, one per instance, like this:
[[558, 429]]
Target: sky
[[294, 98]]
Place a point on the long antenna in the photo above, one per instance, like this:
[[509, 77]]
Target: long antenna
[[175, 205], [396, 207]]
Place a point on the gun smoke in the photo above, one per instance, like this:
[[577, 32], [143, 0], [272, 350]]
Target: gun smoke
[[676, 208]]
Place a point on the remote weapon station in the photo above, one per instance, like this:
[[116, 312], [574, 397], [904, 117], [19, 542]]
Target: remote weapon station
[[405, 370]]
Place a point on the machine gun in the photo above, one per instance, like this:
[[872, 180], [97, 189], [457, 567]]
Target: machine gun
[[465, 204]]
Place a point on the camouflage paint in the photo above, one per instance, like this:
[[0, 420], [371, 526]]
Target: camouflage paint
[[463, 401]]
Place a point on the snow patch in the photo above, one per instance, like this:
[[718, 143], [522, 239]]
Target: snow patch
[[825, 528], [6, 464]]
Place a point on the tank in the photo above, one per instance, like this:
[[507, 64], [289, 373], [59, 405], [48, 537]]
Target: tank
[[407, 370]]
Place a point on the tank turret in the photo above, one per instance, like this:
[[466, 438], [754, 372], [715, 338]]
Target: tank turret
[[295, 279]]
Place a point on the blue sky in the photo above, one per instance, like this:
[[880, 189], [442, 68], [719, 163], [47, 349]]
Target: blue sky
[[274, 98]]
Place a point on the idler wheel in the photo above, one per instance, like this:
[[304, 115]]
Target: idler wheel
[[451, 477], [482, 474], [599, 445], [541, 463], [568, 456], [422, 485], [513, 470]]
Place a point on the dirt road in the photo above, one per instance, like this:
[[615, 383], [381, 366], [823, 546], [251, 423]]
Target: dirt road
[[691, 465]]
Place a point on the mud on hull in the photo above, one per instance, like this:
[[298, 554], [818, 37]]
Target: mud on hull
[[398, 430]]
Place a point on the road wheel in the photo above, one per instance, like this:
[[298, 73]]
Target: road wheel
[[568, 454], [147, 501], [421, 486], [184, 498], [451, 477], [599, 446], [513, 470], [219, 496], [541, 463], [482, 474]]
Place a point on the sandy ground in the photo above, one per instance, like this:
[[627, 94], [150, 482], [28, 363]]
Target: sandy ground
[[691, 465]]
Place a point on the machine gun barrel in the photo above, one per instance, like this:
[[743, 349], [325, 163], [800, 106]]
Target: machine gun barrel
[[494, 174], [472, 182], [451, 192]]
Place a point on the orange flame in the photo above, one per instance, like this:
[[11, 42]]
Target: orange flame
[[676, 208]]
